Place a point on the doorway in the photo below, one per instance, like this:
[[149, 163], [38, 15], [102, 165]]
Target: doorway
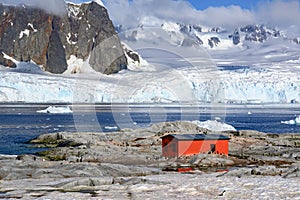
[[213, 148]]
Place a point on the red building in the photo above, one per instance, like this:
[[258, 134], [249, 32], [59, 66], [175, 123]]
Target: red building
[[175, 145]]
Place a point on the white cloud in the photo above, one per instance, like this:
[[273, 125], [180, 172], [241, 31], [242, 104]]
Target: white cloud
[[229, 17], [132, 13], [56, 7], [135, 12], [280, 13]]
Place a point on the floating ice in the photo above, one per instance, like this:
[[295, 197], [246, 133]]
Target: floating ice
[[111, 127], [292, 121], [214, 125], [56, 110]]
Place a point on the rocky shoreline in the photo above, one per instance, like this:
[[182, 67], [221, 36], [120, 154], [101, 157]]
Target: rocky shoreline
[[128, 165]]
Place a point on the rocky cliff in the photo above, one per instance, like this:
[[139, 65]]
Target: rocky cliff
[[85, 31]]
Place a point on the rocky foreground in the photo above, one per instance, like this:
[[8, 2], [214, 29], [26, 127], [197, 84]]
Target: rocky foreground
[[128, 165]]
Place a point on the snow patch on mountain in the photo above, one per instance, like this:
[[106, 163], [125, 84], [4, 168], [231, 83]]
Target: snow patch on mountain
[[86, 2], [134, 60], [10, 58], [79, 66], [25, 32], [99, 2]]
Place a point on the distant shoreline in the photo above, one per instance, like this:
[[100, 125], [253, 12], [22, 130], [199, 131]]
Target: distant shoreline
[[175, 104]]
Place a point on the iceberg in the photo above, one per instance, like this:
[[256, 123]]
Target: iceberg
[[111, 127], [56, 110], [214, 125], [292, 121]]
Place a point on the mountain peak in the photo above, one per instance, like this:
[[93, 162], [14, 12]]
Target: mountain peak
[[99, 2], [181, 34]]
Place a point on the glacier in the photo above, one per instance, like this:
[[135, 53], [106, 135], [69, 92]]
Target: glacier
[[259, 73], [168, 81]]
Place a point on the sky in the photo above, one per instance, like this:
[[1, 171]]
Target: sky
[[203, 4], [56, 7], [224, 13]]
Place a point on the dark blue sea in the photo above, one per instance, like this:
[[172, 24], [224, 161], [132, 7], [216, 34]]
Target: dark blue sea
[[21, 123]]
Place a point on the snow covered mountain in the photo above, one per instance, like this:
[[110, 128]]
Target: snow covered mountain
[[180, 34]]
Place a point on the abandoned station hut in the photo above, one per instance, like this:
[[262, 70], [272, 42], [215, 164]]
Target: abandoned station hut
[[176, 145]]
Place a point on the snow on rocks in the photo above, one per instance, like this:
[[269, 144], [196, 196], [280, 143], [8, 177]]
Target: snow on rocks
[[135, 61], [99, 2], [87, 2], [25, 32], [79, 66]]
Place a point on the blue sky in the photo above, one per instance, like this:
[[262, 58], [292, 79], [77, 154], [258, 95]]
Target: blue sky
[[203, 4], [224, 13]]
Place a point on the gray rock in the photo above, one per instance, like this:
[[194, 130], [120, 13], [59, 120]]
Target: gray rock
[[211, 160], [238, 172], [292, 172], [259, 33], [95, 181], [266, 171]]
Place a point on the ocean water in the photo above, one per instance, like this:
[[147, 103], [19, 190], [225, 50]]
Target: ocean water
[[21, 123]]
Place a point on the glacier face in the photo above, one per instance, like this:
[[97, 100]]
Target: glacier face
[[265, 72], [153, 83]]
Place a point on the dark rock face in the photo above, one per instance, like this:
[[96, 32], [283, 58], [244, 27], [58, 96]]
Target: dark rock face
[[236, 39], [255, 33], [213, 41], [56, 56], [296, 40], [134, 56], [85, 31]]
